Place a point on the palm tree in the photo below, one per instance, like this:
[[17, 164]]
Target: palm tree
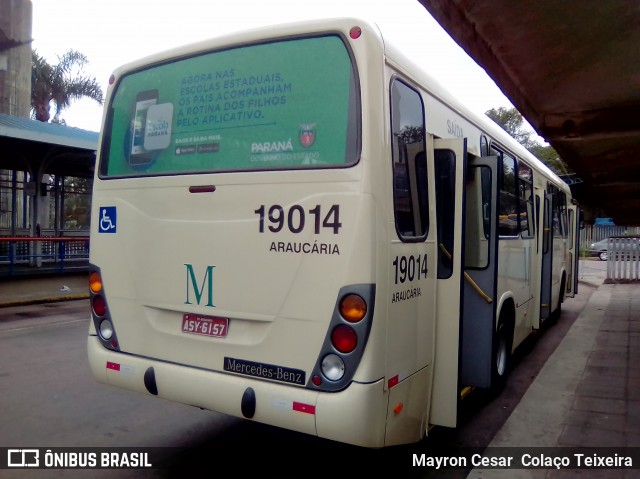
[[60, 84]]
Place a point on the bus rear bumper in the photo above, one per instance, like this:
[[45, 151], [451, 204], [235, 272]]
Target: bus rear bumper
[[328, 415]]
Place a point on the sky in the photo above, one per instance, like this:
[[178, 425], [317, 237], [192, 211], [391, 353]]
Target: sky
[[115, 32]]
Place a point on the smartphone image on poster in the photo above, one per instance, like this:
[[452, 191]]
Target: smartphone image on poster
[[144, 100]]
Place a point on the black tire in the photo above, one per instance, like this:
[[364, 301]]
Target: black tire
[[501, 358], [602, 255]]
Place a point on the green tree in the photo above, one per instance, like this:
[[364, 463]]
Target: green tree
[[60, 84], [512, 122], [549, 156]]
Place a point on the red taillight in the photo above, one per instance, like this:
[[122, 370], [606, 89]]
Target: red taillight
[[99, 305], [344, 338], [355, 32]]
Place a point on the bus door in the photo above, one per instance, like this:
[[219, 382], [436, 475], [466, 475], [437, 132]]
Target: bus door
[[573, 246], [480, 273], [449, 167], [547, 256], [466, 202]]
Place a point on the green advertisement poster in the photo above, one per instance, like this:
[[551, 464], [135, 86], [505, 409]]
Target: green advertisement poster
[[286, 104]]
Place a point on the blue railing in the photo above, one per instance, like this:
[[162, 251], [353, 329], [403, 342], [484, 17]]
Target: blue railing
[[20, 255]]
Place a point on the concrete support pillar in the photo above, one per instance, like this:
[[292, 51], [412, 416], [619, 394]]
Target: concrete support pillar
[[15, 57]]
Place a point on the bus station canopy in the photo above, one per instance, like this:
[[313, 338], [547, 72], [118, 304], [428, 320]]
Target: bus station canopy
[[572, 69], [38, 147]]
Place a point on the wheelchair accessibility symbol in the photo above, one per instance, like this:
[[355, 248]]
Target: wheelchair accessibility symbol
[[107, 222]]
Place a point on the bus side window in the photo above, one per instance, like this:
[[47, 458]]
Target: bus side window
[[445, 170], [477, 217], [411, 209], [525, 185], [564, 224], [509, 223], [558, 219]]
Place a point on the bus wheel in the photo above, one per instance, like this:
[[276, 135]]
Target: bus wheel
[[501, 357]]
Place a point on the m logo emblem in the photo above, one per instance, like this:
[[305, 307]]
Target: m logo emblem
[[200, 289]]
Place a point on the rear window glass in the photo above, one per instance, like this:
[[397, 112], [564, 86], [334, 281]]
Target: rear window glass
[[282, 105]]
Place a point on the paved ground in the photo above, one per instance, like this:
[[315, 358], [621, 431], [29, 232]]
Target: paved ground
[[587, 395], [43, 289]]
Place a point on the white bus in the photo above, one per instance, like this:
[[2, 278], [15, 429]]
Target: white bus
[[297, 226]]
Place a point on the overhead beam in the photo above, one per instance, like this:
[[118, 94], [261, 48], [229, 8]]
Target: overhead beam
[[571, 69]]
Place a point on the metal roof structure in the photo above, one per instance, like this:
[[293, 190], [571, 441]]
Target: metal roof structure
[[40, 147], [572, 69]]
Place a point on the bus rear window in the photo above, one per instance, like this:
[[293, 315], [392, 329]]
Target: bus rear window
[[288, 104]]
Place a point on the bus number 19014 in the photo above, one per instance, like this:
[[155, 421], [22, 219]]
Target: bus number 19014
[[410, 268], [295, 218]]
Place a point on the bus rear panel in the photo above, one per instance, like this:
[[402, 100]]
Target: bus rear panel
[[232, 258]]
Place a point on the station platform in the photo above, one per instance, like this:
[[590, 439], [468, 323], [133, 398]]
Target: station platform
[[586, 395], [43, 288]]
